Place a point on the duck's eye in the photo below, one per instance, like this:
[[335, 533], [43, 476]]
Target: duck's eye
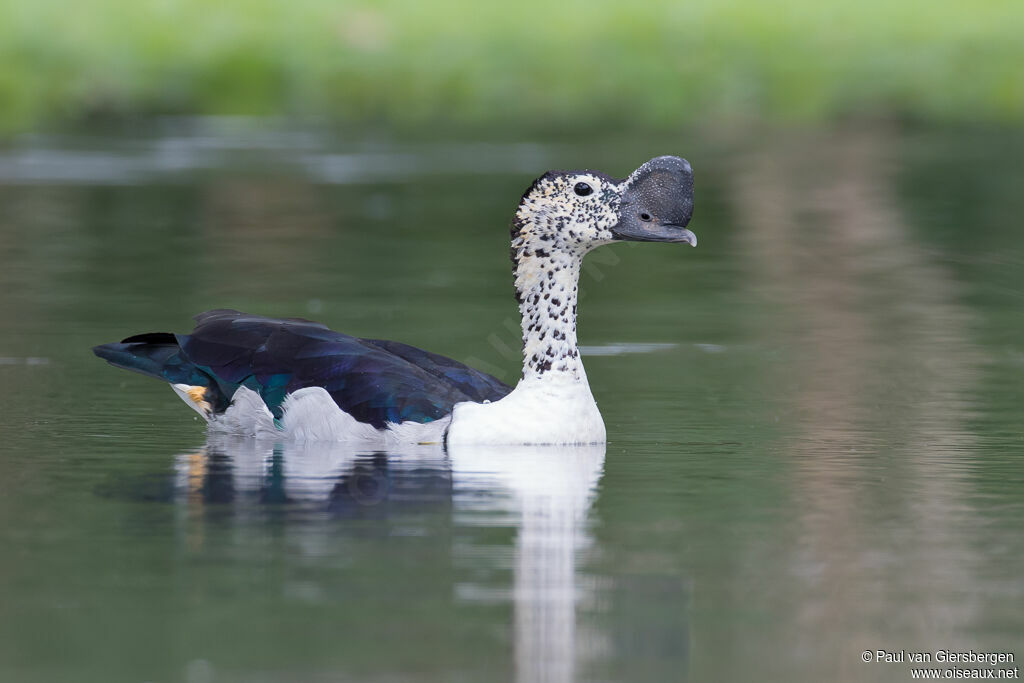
[[582, 189]]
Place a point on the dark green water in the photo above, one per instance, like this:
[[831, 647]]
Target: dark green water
[[815, 444]]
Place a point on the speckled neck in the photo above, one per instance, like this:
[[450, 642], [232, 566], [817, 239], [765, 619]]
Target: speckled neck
[[547, 285]]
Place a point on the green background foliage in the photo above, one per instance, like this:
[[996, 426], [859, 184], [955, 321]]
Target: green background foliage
[[527, 63]]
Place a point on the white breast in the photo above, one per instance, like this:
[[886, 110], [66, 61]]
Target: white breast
[[538, 411]]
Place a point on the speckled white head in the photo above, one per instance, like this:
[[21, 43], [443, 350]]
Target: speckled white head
[[566, 211], [565, 214], [576, 211]]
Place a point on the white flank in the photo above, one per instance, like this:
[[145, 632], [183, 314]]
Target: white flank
[[247, 415], [311, 414]]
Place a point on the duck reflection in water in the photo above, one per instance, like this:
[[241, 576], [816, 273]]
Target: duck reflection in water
[[543, 492], [315, 477]]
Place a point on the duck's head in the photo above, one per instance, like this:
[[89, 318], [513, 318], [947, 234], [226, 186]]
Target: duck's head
[[575, 211]]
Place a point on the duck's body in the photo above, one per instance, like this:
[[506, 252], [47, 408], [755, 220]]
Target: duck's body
[[250, 374], [299, 380]]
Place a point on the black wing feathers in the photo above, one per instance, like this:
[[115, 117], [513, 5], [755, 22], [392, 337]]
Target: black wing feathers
[[375, 381]]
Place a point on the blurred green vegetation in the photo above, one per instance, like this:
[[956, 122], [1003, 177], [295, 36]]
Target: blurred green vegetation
[[525, 63]]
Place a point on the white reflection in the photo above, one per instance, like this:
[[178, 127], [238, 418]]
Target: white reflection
[[544, 492], [549, 489], [229, 467]]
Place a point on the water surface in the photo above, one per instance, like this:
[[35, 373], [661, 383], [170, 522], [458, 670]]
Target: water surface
[[814, 436]]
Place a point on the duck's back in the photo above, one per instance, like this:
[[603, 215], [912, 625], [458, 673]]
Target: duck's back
[[376, 382]]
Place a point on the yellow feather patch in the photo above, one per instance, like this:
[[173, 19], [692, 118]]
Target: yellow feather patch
[[195, 396]]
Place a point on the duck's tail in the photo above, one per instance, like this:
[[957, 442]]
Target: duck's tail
[[159, 355], [156, 354]]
